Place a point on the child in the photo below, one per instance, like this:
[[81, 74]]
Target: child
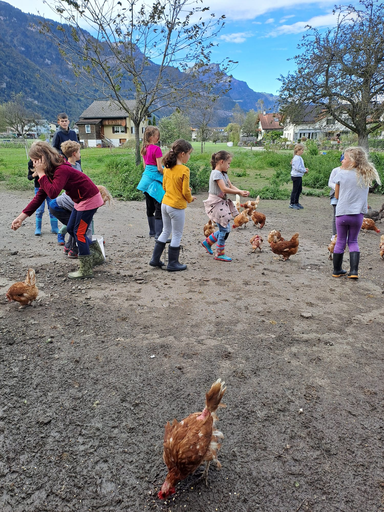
[[151, 183], [54, 176], [63, 133], [62, 206], [177, 195], [40, 210], [297, 173], [353, 182], [218, 208], [332, 185]]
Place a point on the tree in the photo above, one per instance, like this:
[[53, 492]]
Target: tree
[[341, 71], [155, 53], [17, 116], [238, 115], [202, 114], [249, 126], [176, 126], [233, 130]]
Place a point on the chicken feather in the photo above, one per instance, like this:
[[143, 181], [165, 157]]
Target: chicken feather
[[24, 293]]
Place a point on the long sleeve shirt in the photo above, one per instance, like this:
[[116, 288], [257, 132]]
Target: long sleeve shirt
[[176, 186], [298, 167]]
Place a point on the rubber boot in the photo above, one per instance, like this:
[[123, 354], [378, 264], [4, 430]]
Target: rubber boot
[[208, 242], [97, 254], [54, 225], [38, 226], [85, 268], [220, 254], [152, 228], [354, 258], [157, 252], [173, 260], [337, 265], [63, 230]]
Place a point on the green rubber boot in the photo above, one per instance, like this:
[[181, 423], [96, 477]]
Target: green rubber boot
[[97, 254], [85, 269]]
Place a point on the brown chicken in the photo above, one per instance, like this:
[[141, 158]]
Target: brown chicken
[[209, 228], [382, 246], [240, 219], [369, 224], [105, 194], [258, 219], [284, 248], [251, 204], [331, 246], [192, 441], [256, 242], [25, 292]]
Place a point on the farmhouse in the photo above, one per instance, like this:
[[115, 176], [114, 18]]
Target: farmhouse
[[269, 123], [313, 124], [105, 123]]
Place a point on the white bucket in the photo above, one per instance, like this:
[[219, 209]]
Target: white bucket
[[99, 239]]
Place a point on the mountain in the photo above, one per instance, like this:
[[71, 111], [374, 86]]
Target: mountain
[[31, 64]]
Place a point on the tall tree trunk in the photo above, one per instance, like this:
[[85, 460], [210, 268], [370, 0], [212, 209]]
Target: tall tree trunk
[[363, 141], [137, 142]]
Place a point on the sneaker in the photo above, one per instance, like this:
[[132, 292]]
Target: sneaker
[[60, 239], [296, 207], [72, 254], [291, 205], [300, 207], [66, 250]]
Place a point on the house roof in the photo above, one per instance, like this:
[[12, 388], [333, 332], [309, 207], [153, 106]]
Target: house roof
[[89, 121], [106, 109], [270, 121]]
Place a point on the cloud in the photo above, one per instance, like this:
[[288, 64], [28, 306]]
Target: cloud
[[326, 20], [283, 20], [270, 20], [239, 37]]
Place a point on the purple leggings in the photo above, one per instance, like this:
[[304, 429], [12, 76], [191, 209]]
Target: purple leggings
[[348, 227]]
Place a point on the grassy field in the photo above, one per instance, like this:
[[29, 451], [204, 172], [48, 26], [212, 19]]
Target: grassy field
[[262, 172]]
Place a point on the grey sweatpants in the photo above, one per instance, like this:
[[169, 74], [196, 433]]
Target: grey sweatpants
[[173, 222]]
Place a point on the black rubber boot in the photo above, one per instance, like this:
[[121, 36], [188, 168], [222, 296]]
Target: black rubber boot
[[354, 258], [173, 259], [157, 252], [152, 226], [337, 265]]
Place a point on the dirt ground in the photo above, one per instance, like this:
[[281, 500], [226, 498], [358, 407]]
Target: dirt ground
[[94, 369]]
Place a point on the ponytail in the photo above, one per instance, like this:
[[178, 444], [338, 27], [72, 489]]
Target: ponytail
[[179, 146]]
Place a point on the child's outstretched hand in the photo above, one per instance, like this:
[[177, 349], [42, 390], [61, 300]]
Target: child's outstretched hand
[[244, 193], [193, 198]]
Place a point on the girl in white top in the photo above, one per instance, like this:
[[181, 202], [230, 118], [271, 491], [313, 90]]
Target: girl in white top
[[297, 173], [353, 182]]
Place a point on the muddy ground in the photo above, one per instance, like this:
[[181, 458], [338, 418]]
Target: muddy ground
[[94, 369]]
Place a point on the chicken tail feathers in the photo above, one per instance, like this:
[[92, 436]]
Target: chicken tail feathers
[[31, 277], [214, 395]]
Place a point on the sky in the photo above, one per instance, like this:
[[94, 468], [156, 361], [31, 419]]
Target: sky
[[260, 37]]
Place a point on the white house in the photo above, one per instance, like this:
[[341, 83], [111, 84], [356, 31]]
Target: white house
[[313, 125]]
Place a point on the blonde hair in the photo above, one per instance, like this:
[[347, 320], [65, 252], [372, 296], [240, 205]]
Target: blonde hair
[[297, 148], [69, 147], [365, 171], [52, 157], [148, 133]]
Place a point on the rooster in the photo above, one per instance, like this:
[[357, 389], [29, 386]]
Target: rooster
[[26, 292], [192, 441], [258, 219], [369, 224], [240, 219], [256, 242], [209, 228], [284, 248], [331, 246], [382, 246]]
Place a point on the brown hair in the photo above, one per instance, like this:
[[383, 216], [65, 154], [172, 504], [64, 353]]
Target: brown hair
[[220, 155], [69, 147], [148, 133], [179, 146], [297, 148], [51, 156], [365, 171], [62, 115]]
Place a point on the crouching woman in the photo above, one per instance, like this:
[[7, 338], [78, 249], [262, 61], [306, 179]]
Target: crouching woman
[[54, 176]]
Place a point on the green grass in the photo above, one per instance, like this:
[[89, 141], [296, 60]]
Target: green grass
[[264, 173]]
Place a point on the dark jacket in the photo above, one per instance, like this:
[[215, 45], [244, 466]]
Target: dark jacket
[[31, 170], [61, 136], [76, 184]]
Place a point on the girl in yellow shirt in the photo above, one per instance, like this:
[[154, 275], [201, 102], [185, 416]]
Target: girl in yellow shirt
[[177, 195]]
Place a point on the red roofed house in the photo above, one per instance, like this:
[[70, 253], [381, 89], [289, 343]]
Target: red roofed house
[[269, 123]]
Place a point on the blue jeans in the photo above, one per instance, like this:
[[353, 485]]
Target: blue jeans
[[222, 234], [39, 212]]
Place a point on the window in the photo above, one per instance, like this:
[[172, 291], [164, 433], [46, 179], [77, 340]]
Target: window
[[87, 128], [330, 121], [118, 129], [142, 129], [132, 129]]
